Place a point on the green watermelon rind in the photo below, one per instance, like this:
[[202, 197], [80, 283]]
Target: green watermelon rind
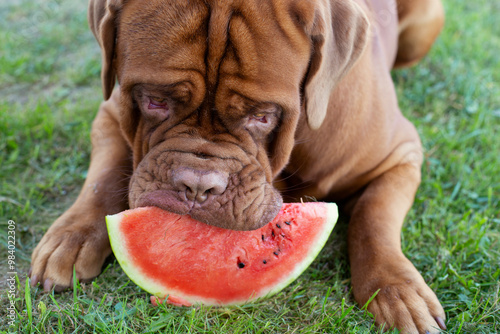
[[155, 288]]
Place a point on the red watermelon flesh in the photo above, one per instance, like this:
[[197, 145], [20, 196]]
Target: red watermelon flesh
[[194, 263]]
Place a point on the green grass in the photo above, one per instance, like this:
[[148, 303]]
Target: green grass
[[49, 94]]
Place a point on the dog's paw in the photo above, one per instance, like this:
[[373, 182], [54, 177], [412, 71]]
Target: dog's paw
[[404, 301], [73, 240]]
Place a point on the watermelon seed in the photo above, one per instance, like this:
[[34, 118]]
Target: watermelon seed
[[288, 223], [264, 261], [275, 253], [263, 237], [272, 233], [241, 265], [278, 225]]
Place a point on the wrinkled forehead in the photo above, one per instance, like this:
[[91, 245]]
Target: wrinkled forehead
[[159, 36], [212, 45]]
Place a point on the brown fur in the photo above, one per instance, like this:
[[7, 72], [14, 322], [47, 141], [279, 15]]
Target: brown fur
[[318, 71]]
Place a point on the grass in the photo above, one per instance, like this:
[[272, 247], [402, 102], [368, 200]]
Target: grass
[[49, 94]]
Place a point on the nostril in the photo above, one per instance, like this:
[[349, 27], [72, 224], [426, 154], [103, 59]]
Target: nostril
[[214, 183], [189, 192], [218, 186]]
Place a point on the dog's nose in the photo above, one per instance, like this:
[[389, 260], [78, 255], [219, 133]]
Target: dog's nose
[[199, 184]]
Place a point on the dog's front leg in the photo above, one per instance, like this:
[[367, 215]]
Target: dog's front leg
[[79, 237], [377, 262]]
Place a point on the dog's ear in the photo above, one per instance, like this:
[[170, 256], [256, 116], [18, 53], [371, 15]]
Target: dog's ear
[[283, 141], [102, 17], [339, 35]]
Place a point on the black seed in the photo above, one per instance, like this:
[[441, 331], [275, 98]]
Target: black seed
[[275, 253], [278, 225], [263, 237], [272, 233], [241, 265], [264, 261], [288, 223]]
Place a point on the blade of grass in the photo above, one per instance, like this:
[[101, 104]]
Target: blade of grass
[[27, 298]]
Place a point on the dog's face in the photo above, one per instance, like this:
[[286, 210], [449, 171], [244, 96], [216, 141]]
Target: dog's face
[[212, 92], [211, 98]]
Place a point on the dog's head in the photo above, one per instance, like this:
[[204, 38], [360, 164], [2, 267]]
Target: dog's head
[[212, 91]]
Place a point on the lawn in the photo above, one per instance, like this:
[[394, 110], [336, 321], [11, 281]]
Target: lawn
[[50, 92]]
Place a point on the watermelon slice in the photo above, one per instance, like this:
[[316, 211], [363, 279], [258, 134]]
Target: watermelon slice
[[190, 262]]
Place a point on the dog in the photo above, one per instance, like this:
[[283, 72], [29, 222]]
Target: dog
[[224, 108]]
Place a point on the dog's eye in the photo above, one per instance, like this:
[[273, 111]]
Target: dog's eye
[[260, 123], [261, 117], [157, 103]]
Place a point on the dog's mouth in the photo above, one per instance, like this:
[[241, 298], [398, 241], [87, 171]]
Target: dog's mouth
[[237, 201], [166, 200], [217, 212]]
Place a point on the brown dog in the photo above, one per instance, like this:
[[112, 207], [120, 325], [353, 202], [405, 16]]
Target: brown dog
[[219, 99]]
